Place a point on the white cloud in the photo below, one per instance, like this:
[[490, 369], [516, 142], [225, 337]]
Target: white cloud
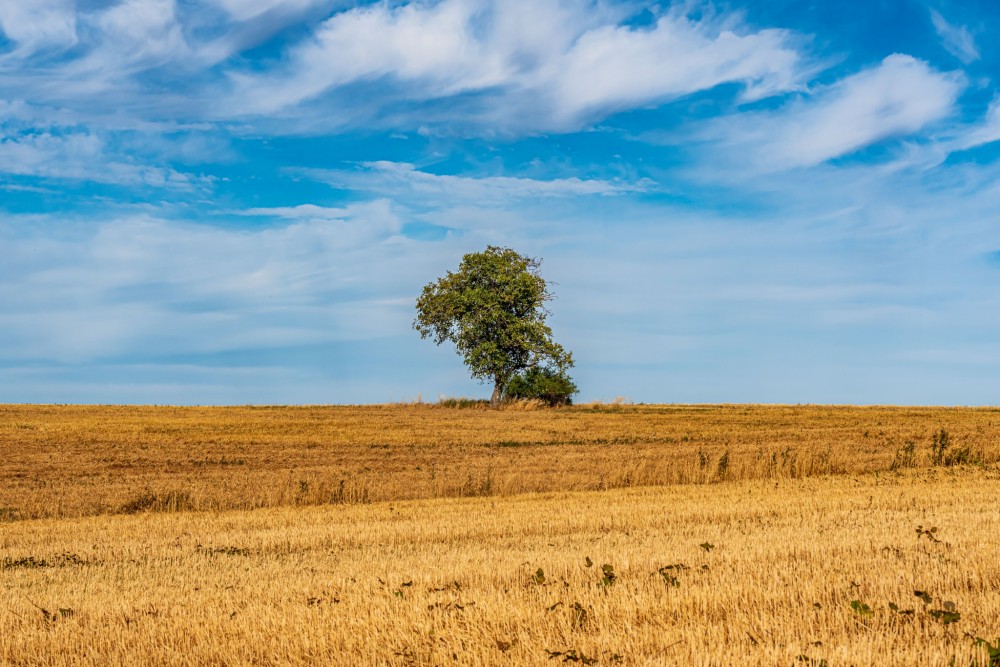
[[80, 155], [141, 30], [900, 96], [955, 38], [78, 292], [540, 65], [405, 181], [963, 137], [38, 24], [617, 67], [355, 224], [469, 66], [985, 132], [243, 10]]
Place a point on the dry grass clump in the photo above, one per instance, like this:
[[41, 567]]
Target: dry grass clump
[[68, 461], [756, 573]]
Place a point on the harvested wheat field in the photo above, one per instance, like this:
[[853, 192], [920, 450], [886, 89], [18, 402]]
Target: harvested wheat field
[[70, 461], [758, 557]]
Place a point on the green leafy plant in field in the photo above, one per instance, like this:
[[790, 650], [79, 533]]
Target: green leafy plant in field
[[943, 454], [906, 456], [669, 573], [946, 613], [992, 650], [861, 608], [609, 577]]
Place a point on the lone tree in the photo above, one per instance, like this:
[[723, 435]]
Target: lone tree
[[493, 310]]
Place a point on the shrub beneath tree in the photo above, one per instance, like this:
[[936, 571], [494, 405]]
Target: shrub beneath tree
[[548, 385]]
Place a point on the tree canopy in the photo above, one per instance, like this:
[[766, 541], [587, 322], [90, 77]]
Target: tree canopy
[[493, 309]]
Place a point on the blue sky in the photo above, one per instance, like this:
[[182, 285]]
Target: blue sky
[[238, 201]]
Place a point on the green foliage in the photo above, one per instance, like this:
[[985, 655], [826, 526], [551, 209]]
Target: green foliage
[[945, 616], [939, 446], [946, 613], [943, 454], [668, 572], [493, 310], [992, 651], [548, 385], [609, 577], [906, 456], [861, 608]]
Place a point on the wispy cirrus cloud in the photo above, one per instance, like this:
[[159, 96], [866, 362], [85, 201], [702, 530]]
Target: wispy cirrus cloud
[[956, 39], [244, 10], [404, 181], [899, 97], [41, 24], [132, 279], [470, 66], [73, 155], [517, 64]]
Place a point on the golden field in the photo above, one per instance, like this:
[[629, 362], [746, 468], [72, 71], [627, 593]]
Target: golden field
[[789, 554], [71, 461]]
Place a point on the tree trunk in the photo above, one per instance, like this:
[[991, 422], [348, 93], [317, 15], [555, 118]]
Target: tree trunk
[[497, 390]]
